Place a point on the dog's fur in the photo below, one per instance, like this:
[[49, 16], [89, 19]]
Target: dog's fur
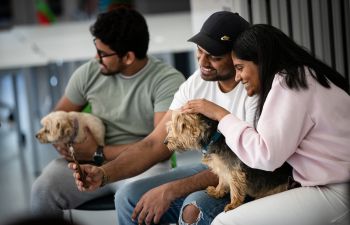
[[61, 127], [194, 132]]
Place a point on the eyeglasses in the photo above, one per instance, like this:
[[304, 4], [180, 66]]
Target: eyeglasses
[[102, 54]]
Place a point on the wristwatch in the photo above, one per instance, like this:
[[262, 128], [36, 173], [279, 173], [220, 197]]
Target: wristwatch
[[98, 157]]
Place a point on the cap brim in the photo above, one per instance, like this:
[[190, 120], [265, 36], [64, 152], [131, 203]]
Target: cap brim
[[210, 45]]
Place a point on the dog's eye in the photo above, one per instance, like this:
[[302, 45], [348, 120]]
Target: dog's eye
[[46, 131]]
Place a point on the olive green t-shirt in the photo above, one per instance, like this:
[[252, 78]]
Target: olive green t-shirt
[[125, 104]]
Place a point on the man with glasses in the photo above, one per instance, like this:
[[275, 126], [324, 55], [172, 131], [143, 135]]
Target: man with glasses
[[127, 89]]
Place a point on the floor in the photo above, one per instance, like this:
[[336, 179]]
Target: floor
[[17, 163], [14, 175]]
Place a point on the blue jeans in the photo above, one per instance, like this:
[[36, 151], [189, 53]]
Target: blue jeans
[[127, 197]]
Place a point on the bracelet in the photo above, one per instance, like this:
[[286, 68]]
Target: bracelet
[[105, 177]]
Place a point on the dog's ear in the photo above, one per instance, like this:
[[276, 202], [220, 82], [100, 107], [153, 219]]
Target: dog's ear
[[58, 125], [213, 124], [66, 129], [60, 129], [180, 125]]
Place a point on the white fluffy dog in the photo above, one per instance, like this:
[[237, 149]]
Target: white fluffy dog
[[68, 128]]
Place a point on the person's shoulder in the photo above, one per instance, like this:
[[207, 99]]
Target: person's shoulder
[[161, 71], [279, 83], [159, 65]]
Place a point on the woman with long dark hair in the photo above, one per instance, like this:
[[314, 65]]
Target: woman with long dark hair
[[303, 118]]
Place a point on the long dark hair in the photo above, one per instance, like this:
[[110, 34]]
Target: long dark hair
[[274, 52]]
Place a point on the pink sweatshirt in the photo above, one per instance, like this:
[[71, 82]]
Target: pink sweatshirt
[[310, 129]]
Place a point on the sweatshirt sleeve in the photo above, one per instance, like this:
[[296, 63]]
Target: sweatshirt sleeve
[[281, 126]]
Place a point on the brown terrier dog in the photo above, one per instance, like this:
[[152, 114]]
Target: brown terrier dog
[[195, 132]]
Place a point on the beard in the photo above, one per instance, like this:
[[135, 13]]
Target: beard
[[218, 77], [109, 72], [104, 70]]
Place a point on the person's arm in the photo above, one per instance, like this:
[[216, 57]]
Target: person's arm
[[64, 104], [279, 130], [135, 159], [85, 150], [154, 203], [283, 123], [141, 155], [112, 151], [205, 107]]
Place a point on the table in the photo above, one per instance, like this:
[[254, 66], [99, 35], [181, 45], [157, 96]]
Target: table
[[73, 42]]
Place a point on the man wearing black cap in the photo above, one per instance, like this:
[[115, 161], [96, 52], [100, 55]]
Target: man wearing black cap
[[178, 195], [219, 32]]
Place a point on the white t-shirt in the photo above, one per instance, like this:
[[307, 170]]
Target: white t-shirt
[[236, 101]]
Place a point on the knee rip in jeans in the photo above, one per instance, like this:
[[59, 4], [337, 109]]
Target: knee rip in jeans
[[190, 217]]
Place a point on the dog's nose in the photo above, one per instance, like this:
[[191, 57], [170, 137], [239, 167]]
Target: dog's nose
[[165, 141]]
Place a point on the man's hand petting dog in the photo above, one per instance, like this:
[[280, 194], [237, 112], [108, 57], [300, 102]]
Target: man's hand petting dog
[[93, 179], [152, 206], [206, 108]]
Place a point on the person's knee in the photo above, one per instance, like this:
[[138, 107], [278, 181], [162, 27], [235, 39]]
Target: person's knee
[[121, 196], [41, 187], [128, 194], [41, 197], [47, 186], [190, 214]]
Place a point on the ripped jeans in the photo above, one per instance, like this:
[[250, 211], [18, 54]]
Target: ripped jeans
[[209, 207], [127, 197]]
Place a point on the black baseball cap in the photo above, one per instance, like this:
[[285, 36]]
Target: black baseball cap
[[219, 32]]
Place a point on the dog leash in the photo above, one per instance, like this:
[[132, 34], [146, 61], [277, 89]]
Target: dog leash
[[79, 170], [214, 138], [72, 152]]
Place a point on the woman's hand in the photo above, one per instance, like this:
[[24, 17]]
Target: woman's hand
[[93, 176], [205, 107]]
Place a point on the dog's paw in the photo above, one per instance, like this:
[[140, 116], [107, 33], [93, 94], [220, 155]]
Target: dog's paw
[[232, 205], [229, 207], [213, 192]]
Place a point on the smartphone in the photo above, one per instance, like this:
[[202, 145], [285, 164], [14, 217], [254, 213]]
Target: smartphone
[[79, 170]]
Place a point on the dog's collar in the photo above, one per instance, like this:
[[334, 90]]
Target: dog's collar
[[214, 138], [75, 131]]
